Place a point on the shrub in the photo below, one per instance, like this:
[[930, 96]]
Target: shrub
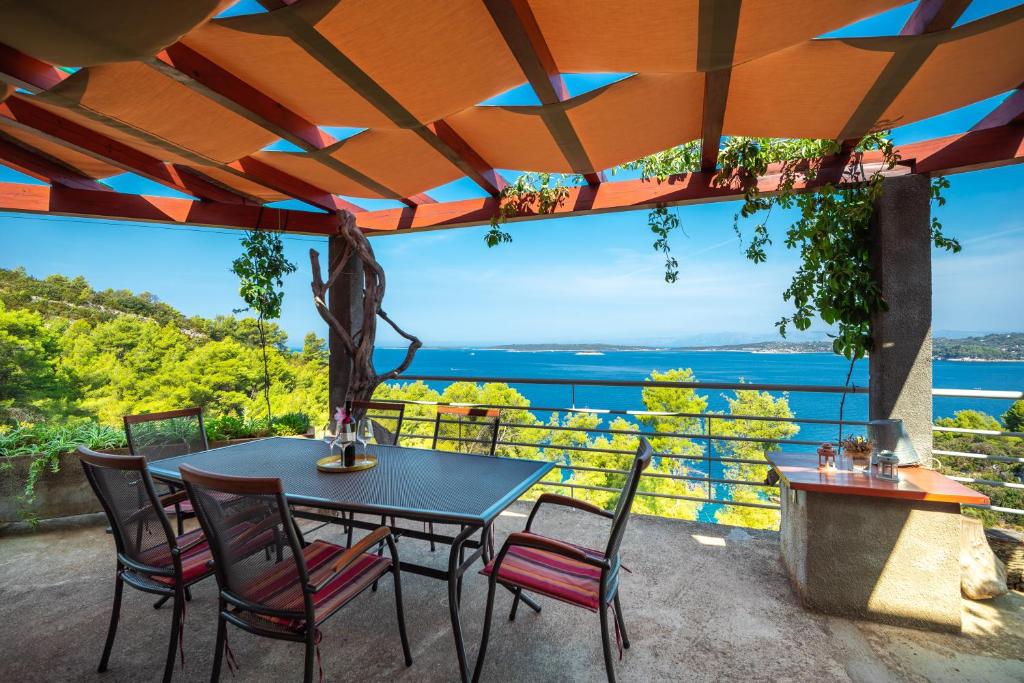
[[291, 424]]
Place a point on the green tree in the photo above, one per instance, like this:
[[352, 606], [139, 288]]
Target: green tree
[[1013, 419], [261, 269], [31, 375]]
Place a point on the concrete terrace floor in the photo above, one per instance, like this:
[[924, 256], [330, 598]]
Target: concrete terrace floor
[[703, 603]]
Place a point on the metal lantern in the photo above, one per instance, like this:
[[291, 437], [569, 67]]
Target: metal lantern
[[826, 457], [888, 466]]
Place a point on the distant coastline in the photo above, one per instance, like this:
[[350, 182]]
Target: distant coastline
[[986, 348]]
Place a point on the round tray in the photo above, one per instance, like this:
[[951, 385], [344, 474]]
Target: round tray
[[332, 464]]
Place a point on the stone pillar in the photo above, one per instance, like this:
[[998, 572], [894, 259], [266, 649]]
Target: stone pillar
[[345, 300], [901, 363]]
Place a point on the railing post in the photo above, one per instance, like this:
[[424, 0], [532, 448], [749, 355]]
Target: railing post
[[707, 424]]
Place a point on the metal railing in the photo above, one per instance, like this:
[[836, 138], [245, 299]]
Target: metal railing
[[707, 470]]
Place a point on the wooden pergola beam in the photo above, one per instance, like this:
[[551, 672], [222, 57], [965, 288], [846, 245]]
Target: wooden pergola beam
[[334, 60], [928, 17], [1010, 110], [716, 45], [62, 201], [987, 148], [522, 34], [38, 165], [28, 116], [19, 68]]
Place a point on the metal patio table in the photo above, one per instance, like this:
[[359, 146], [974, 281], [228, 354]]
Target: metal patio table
[[409, 483]]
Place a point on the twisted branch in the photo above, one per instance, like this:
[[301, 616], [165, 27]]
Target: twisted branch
[[359, 346]]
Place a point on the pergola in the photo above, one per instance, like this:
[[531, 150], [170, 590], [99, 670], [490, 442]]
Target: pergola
[[177, 95]]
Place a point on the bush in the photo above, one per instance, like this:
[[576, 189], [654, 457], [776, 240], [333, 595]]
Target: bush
[[291, 424]]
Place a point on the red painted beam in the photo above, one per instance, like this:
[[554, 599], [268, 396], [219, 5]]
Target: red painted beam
[[28, 73], [718, 22], [115, 205], [493, 183], [35, 164], [1010, 110], [34, 118], [971, 151], [934, 15], [269, 176]]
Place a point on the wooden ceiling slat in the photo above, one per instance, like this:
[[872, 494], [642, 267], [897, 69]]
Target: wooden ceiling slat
[[38, 165], [928, 17], [519, 27]]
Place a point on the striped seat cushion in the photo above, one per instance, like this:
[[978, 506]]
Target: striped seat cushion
[[551, 574], [196, 561], [186, 505], [279, 586]]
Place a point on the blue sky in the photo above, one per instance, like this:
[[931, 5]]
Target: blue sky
[[583, 279]]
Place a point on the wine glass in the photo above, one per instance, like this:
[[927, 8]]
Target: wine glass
[[364, 433]]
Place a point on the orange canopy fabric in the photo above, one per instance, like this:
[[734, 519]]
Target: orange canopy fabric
[[416, 75]]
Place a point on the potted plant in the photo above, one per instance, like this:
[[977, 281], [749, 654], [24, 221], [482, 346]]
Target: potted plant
[[859, 449]]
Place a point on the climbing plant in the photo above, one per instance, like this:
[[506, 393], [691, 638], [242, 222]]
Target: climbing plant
[[539, 193]]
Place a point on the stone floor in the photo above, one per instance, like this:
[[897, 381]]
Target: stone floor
[[703, 603]]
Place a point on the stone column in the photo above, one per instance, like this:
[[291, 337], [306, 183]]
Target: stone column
[[345, 300], [901, 363]]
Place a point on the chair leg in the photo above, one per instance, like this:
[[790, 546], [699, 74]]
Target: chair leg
[[307, 676], [188, 594], [218, 652], [348, 543], [515, 604], [115, 615], [160, 603], [622, 622], [609, 661], [430, 528], [179, 606], [181, 518], [401, 616], [493, 584]]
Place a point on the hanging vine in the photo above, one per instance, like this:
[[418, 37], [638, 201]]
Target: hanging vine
[[539, 193]]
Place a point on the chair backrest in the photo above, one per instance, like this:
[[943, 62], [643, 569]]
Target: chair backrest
[[641, 461], [122, 483], [393, 413], [167, 434], [466, 430], [242, 518]]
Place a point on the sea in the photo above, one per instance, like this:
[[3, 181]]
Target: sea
[[707, 366]]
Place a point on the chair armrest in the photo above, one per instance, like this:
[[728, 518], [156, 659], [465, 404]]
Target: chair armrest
[[566, 501], [173, 498], [353, 553], [253, 531], [201, 538]]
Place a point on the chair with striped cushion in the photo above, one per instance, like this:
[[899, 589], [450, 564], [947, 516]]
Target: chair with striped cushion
[[289, 595], [165, 435], [565, 571], [150, 557]]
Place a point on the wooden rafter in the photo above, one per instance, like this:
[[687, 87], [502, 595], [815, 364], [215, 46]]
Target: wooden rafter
[[987, 148], [24, 70], [928, 17], [522, 34], [1010, 110], [716, 44], [26, 115], [202, 75], [335, 61], [38, 165]]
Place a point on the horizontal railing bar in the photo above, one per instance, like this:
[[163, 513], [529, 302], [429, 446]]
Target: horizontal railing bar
[[988, 482], [994, 508], [809, 388], [666, 475], [656, 494], [983, 432], [978, 456], [978, 393]]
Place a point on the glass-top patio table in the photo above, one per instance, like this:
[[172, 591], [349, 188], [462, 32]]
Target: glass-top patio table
[[409, 483]]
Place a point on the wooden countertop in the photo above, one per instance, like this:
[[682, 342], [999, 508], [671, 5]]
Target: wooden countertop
[[800, 472]]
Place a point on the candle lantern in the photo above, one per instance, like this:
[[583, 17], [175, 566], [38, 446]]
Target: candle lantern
[[826, 457], [888, 466]]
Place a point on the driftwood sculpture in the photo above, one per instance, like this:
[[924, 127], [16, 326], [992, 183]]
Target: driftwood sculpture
[[359, 344]]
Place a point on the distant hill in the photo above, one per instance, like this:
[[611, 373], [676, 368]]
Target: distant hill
[[1006, 346]]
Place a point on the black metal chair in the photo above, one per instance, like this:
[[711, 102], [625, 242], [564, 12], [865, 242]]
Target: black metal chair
[[164, 435], [289, 595], [150, 557], [571, 573]]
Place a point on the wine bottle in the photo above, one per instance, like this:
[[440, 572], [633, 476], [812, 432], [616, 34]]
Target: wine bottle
[[349, 430]]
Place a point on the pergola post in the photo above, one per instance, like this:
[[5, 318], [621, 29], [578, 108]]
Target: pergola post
[[901, 363], [345, 300]]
